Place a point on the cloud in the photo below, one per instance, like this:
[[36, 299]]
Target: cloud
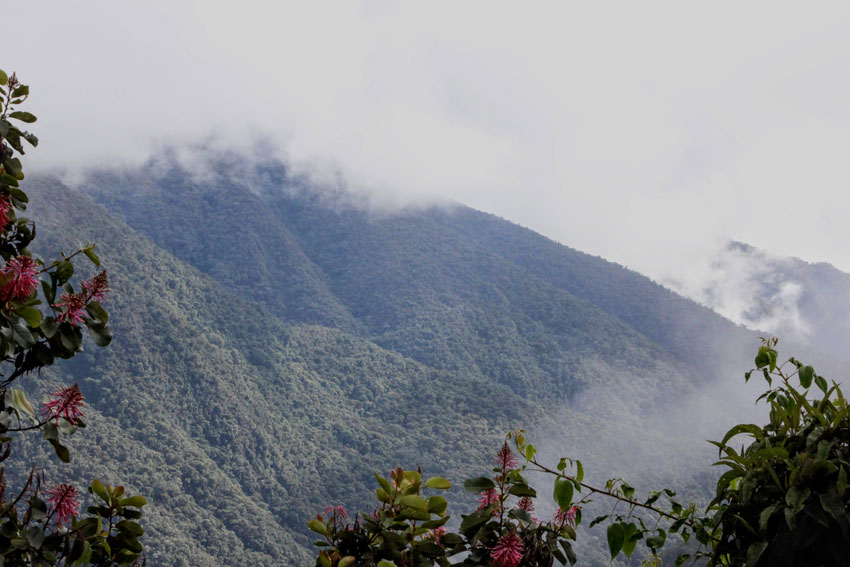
[[646, 134]]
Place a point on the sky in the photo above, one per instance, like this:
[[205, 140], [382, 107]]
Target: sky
[[646, 133]]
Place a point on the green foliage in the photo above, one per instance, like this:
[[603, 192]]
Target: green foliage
[[40, 525], [494, 343], [783, 499], [782, 502], [408, 528]]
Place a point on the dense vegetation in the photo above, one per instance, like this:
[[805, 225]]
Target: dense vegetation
[[44, 310], [274, 347]]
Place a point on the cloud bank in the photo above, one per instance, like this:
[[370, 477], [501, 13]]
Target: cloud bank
[[646, 134]]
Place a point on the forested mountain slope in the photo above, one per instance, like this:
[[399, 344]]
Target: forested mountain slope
[[795, 299], [452, 288], [238, 426], [274, 346]]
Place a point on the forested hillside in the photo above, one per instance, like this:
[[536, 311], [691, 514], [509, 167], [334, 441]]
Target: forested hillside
[[273, 347]]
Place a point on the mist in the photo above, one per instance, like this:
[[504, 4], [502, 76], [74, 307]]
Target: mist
[[649, 135]]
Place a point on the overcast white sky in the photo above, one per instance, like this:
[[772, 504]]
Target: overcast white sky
[[642, 132]]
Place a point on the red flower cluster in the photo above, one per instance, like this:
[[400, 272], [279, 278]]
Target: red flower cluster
[[336, 511], [22, 274], [508, 551], [5, 207], [64, 499], [435, 535], [567, 516], [488, 497], [505, 458], [66, 402], [97, 287], [74, 303]]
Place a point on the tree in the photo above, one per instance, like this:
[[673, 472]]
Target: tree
[[41, 320], [782, 500]]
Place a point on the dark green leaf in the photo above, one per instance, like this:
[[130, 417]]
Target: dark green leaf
[[563, 493], [616, 538], [478, 484], [755, 551], [23, 116], [64, 271]]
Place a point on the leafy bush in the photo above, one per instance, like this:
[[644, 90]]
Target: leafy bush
[[783, 500], [41, 524]]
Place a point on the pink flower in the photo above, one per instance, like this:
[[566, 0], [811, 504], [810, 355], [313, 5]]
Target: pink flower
[[64, 499], [66, 403], [5, 207], [488, 497], [74, 303], [336, 511], [97, 287], [22, 274], [525, 503], [505, 458], [435, 535], [508, 551], [566, 516]]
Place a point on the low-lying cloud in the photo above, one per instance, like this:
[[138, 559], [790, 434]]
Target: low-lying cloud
[[644, 134]]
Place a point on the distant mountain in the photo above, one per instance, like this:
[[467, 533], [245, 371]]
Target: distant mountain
[[787, 297], [275, 344]]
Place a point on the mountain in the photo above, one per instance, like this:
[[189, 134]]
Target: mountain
[[788, 297], [275, 343]]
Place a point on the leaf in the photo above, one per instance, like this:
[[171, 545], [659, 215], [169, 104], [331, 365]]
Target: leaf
[[64, 271], [834, 506], [18, 400], [346, 561], [317, 526], [563, 493], [805, 374], [89, 252], [437, 505], [750, 428], [766, 357], [522, 490], [657, 541], [473, 521], [4, 78], [31, 315], [134, 501], [97, 312], [796, 498], [101, 334], [415, 501], [754, 552], [478, 484], [100, 490], [632, 535], [616, 538], [385, 563], [438, 483], [23, 116], [579, 471]]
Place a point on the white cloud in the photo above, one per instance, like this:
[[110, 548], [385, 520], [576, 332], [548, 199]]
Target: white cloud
[[643, 133]]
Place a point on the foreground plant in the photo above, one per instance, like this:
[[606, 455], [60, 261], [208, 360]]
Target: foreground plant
[[41, 524], [782, 500]]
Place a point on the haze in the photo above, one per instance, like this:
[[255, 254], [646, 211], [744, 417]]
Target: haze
[[646, 134]]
